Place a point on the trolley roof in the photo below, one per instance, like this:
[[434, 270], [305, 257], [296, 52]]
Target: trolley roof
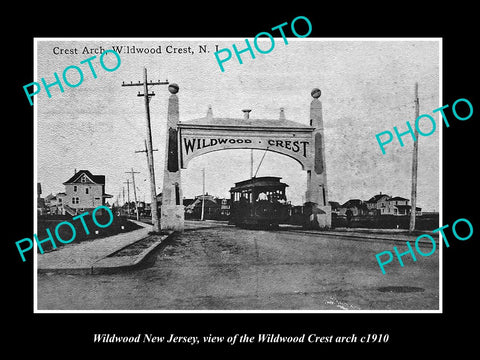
[[264, 181]]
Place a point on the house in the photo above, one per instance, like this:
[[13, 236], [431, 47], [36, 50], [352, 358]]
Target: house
[[356, 206], [335, 206], [52, 205], [193, 210], [41, 208], [129, 208], [49, 199], [399, 206], [377, 204], [56, 204], [383, 204], [84, 191], [145, 209]]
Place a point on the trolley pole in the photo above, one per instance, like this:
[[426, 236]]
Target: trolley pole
[[251, 163]]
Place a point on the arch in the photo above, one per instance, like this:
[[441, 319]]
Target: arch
[[191, 139]]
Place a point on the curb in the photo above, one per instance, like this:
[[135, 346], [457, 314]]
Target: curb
[[111, 265]]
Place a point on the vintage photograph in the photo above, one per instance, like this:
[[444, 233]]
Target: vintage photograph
[[295, 180]]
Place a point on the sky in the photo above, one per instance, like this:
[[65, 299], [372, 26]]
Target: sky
[[367, 87]]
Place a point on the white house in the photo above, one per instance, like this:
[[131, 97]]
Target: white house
[[84, 191]]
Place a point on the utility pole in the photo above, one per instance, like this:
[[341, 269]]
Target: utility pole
[[123, 193], [153, 189], [134, 191], [203, 195], [148, 164], [414, 166], [128, 195]]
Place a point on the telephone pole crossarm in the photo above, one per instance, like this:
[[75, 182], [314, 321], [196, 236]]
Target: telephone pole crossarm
[[148, 83]]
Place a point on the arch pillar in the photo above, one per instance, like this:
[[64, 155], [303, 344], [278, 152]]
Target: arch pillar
[[172, 209], [316, 196]]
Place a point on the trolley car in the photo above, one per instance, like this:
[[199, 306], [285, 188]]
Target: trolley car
[[259, 202]]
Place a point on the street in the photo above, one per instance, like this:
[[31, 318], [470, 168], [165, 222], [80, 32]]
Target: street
[[220, 267]]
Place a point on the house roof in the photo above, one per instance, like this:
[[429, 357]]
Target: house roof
[[377, 197], [187, 202], [198, 202], [353, 202], [397, 198], [98, 179], [210, 202], [334, 204]]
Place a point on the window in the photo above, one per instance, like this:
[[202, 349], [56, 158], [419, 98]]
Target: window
[[75, 188], [86, 190], [84, 179], [75, 200]]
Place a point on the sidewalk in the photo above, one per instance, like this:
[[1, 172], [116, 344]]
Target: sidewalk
[[91, 257]]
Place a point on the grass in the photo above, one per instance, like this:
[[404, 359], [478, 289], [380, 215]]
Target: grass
[[65, 232]]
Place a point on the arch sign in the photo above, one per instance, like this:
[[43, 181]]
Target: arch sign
[[198, 137], [189, 139]]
